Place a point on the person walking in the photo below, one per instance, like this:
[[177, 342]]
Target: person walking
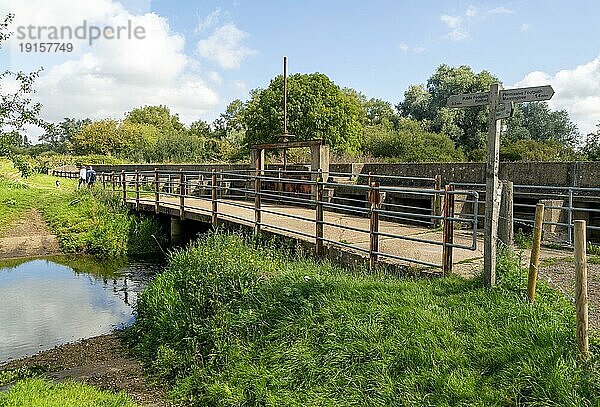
[[82, 177], [90, 176]]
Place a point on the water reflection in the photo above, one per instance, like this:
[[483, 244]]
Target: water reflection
[[48, 302]]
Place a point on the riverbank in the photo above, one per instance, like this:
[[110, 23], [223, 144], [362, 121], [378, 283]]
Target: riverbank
[[104, 362]]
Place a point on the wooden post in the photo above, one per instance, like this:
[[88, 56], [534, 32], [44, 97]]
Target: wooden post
[[437, 201], [181, 194], [448, 213], [156, 191], [257, 212], [374, 200], [279, 184], [319, 227], [103, 180], [506, 225], [124, 185], [535, 252], [213, 194], [112, 180], [137, 190], [492, 196], [581, 292]]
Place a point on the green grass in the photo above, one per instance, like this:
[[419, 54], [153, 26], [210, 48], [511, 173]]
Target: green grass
[[85, 221], [235, 324], [41, 393]]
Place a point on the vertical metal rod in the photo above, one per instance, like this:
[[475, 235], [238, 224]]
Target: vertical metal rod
[[181, 194], [437, 201], [285, 118], [374, 200], [213, 193], [137, 190], [156, 191], [319, 216], [570, 216], [124, 185]]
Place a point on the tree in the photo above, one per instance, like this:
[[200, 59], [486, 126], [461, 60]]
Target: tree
[[200, 128], [535, 121], [317, 109], [157, 116], [99, 137], [16, 107], [591, 147], [59, 136], [466, 127]]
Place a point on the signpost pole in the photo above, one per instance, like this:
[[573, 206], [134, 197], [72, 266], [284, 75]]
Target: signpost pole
[[492, 195]]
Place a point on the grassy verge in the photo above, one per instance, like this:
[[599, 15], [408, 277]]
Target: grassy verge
[[233, 324], [41, 393], [88, 221]]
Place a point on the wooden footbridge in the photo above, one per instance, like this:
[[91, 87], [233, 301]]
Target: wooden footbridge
[[385, 226]]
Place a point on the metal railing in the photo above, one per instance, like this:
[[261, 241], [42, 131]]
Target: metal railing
[[303, 204]]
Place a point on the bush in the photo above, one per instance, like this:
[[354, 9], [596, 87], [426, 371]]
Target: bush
[[409, 144]]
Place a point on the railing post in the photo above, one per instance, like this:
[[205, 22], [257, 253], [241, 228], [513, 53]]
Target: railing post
[[279, 184], [181, 194], [319, 216], [448, 213], [374, 200], [137, 190], [156, 191], [257, 212], [213, 193], [124, 185], [437, 201], [103, 180], [112, 180]]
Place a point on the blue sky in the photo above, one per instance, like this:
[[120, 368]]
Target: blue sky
[[206, 53]]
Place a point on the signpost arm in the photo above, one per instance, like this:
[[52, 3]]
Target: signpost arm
[[492, 195]]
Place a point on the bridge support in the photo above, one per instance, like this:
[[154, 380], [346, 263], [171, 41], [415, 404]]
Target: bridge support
[[177, 231]]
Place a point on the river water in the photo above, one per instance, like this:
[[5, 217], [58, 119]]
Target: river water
[[51, 301]]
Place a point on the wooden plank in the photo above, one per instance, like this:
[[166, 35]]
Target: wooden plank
[[469, 99], [529, 94], [289, 144], [581, 292]]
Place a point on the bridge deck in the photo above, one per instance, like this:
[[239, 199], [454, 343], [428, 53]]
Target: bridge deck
[[274, 220]]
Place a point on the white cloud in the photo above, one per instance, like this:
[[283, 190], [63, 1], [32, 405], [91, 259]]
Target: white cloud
[[225, 47], [458, 24], [403, 47], [210, 20], [576, 90], [113, 76], [525, 27], [406, 48]]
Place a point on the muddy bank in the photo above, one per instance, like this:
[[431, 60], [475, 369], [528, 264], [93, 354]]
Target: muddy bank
[[103, 361], [28, 236]]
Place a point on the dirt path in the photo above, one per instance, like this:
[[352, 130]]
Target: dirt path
[[102, 361], [28, 237]]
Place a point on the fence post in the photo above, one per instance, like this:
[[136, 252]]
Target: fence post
[[505, 223], [181, 194], [279, 183], [257, 212], [437, 201], [137, 189], [535, 252], [319, 215], [112, 180], [103, 180], [374, 200], [156, 191], [124, 185], [581, 291], [570, 216], [448, 214], [213, 193]]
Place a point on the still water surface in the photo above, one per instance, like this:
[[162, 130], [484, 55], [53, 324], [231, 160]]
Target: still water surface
[[48, 302]]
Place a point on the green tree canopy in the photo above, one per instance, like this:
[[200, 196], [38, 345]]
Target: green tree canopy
[[157, 116], [467, 127], [317, 108]]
